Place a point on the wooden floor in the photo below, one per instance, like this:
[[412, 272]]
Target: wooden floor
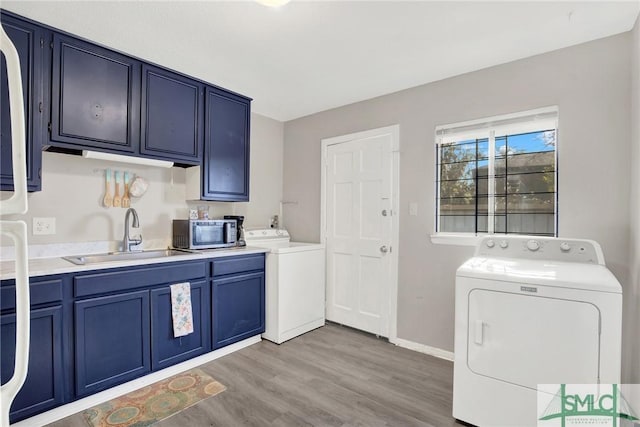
[[333, 376]]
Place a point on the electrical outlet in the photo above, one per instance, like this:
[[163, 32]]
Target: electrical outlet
[[44, 226]]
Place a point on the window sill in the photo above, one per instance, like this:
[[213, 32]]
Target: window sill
[[459, 239]]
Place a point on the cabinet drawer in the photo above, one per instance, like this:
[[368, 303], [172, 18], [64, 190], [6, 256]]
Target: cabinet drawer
[[128, 278], [238, 264], [41, 292]]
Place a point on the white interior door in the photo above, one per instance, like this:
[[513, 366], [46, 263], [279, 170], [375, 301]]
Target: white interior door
[[358, 183]]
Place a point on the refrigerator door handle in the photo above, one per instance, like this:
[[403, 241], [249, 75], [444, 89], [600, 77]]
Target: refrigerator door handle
[[17, 230]]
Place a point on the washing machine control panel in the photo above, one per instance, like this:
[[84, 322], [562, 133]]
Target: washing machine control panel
[[551, 248]]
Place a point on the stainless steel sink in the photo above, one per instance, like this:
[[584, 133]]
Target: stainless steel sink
[[123, 256]]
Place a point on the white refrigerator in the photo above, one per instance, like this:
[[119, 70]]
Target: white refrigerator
[[16, 229]]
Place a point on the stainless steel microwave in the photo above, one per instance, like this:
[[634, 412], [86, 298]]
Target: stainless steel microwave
[[204, 233]]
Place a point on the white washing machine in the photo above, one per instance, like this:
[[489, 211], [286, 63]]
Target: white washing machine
[[531, 311], [295, 284]]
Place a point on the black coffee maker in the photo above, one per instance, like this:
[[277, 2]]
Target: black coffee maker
[[239, 220]]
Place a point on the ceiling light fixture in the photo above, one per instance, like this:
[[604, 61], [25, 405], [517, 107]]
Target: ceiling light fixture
[[273, 3]]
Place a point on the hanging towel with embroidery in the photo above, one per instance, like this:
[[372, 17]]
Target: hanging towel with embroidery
[[181, 309]]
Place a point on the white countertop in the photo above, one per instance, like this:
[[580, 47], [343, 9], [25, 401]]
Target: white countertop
[[57, 265]]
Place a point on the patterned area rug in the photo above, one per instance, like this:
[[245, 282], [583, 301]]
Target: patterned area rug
[[156, 402]]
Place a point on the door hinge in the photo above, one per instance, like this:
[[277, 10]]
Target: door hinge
[[41, 42], [49, 127], [40, 106], [51, 45]]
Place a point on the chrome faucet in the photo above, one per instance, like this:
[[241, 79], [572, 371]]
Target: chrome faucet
[[127, 241]]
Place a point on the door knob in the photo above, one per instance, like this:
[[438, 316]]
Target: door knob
[[384, 249]]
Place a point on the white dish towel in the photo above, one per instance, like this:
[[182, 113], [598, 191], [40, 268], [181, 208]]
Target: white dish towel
[[181, 309]]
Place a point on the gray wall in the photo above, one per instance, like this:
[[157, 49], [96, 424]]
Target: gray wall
[[632, 333], [266, 172], [590, 83]]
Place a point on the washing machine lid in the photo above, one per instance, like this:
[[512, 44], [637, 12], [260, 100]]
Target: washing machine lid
[[266, 237], [278, 240], [593, 277], [296, 247]]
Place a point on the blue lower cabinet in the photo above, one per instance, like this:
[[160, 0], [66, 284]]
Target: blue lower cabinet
[[238, 307], [112, 340], [44, 386], [166, 350], [89, 332]]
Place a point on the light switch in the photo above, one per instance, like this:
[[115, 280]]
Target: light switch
[[44, 225], [413, 209]]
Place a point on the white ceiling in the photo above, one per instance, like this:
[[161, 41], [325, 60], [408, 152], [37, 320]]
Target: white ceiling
[[308, 57]]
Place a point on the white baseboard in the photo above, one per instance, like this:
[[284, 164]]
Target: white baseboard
[[95, 399], [422, 348]]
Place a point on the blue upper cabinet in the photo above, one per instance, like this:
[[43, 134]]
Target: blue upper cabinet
[[111, 102], [225, 171], [29, 41], [95, 97], [82, 96], [172, 116]]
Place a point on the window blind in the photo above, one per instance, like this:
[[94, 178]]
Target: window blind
[[531, 120]]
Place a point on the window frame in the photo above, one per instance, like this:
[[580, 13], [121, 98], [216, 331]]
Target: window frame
[[529, 121]]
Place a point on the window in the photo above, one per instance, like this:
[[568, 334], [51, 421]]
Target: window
[[498, 175]]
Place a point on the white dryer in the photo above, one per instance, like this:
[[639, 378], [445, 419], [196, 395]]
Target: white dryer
[[295, 284], [531, 311]]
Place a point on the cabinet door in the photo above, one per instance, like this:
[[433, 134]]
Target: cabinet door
[[238, 308], [168, 350], [29, 42], [95, 97], [44, 386], [225, 171], [172, 116], [112, 341]]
